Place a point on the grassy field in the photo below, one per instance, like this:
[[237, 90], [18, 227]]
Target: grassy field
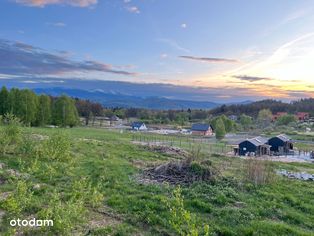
[[89, 187]]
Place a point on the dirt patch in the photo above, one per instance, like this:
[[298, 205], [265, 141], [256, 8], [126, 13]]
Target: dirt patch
[[2, 180], [103, 217], [15, 173], [2, 214], [88, 140], [163, 149], [4, 195], [39, 137], [2, 165], [141, 164], [102, 220], [182, 172]]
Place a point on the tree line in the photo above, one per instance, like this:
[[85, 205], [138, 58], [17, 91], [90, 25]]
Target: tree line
[[38, 110], [252, 109]]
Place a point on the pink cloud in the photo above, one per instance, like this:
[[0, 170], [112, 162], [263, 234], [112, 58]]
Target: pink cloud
[[42, 3]]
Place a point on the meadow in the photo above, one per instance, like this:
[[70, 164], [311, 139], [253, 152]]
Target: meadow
[[86, 181]]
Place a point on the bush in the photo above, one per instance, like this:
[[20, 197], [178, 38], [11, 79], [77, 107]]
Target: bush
[[19, 200], [182, 221], [10, 134], [65, 215], [83, 190], [57, 147]]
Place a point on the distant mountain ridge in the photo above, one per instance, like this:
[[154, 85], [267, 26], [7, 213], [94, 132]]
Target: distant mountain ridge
[[127, 101]]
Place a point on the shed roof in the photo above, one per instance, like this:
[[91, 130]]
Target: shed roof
[[200, 127], [257, 141], [284, 137]]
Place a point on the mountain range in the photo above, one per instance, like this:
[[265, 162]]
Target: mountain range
[[127, 101], [128, 94]]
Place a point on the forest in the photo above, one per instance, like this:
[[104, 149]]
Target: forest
[[252, 109], [38, 110]]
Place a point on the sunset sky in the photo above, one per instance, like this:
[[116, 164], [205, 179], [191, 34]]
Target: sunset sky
[[236, 49]]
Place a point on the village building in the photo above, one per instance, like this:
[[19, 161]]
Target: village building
[[233, 117], [281, 144], [202, 129], [257, 146], [138, 126], [302, 116], [277, 115], [115, 120]]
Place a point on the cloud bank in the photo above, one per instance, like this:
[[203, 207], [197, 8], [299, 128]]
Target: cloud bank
[[21, 59], [251, 78], [43, 3], [210, 59]]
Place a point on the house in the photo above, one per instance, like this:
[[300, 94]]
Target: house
[[115, 118], [302, 116], [281, 144], [202, 129], [139, 126], [257, 146], [233, 117], [278, 115]]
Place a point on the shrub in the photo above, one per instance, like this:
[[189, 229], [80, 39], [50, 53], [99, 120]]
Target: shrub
[[10, 134], [27, 146], [65, 215], [57, 147], [83, 190], [182, 221], [19, 200]]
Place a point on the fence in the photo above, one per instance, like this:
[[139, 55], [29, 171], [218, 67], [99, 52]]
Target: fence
[[205, 145]]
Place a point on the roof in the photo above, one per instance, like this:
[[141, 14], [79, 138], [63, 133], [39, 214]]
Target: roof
[[302, 114], [257, 141], [200, 127], [284, 137], [114, 118], [137, 124]]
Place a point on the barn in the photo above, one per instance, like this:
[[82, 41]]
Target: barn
[[202, 129], [281, 144], [257, 146], [139, 126]]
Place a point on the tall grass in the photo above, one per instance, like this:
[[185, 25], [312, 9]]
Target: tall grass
[[258, 171]]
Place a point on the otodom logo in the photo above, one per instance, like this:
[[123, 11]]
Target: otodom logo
[[31, 223]]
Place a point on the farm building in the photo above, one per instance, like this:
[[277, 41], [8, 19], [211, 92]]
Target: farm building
[[280, 144], [139, 126], [202, 129], [258, 146]]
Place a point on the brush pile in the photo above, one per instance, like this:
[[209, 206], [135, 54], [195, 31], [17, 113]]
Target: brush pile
[[180, 173]]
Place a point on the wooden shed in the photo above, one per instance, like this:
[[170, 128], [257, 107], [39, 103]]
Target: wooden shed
[[257, 146], [281, 144]]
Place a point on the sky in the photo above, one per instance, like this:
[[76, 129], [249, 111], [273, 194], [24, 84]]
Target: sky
[[237, 50]]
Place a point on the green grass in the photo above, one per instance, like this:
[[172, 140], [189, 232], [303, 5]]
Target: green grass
[[109, 161]]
